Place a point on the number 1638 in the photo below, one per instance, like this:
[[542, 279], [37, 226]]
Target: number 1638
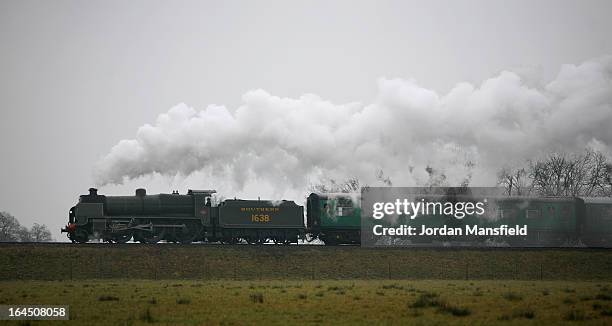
[[260, 218]]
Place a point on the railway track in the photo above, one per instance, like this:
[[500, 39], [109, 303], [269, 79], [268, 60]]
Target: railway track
[[305, 246]]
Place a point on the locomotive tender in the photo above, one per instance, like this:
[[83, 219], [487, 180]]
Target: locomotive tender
[[333, 218]]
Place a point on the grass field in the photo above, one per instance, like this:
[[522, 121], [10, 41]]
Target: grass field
[[175, 302]]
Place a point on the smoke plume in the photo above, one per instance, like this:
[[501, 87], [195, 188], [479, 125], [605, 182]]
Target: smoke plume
[[278, 145]]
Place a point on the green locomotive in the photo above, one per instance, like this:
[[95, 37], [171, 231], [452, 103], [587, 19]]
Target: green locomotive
[[182, 218]]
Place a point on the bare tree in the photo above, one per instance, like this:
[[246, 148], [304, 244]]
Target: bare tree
[[9, 227], [599, 182], [40, 233], [570, 175], [514, 181]]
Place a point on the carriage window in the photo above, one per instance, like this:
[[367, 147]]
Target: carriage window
[[533, 213], [344, 211], [490, 212], [507, 213], [345, 202], [326, 209], [566, 211], [344, 207], [606, 212]]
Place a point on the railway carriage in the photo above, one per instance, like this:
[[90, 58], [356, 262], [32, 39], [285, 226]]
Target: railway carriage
[[597, 228], [334, 218], [550, 221]]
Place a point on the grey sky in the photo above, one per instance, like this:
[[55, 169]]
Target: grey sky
[[78, 76]]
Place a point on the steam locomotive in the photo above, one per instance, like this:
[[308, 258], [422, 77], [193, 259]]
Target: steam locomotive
[[183, 218], [332, 218]]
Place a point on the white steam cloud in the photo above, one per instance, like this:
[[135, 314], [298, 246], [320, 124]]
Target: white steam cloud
[[288, 143]]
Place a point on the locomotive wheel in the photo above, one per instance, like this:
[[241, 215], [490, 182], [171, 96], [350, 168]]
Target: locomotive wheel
[[188, 234], [80, 236], [230, 240], [150, 237], [309, 237], [254, 240], [330, 241], [122, 237]]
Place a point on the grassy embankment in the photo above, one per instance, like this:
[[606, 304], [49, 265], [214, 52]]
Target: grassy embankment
[[73, 262]]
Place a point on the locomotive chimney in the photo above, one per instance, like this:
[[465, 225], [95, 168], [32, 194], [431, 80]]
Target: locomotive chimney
[[141, 192], [93, 191]]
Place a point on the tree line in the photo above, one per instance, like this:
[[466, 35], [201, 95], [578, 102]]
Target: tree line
[[12, 230], [588, 174]]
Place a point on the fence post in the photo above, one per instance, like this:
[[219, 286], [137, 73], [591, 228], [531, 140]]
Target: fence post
[[541, 271], [99, 267], [516, 269], [202, 269]]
